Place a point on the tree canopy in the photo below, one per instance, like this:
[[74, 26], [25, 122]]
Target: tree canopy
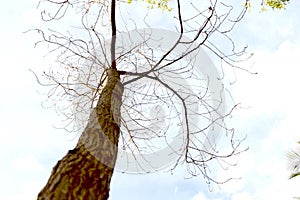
[[163, 4]]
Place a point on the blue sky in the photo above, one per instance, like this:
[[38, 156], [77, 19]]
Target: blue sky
[[30, 145]]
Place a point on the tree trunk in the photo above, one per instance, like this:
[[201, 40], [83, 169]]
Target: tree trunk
[[85, 172]]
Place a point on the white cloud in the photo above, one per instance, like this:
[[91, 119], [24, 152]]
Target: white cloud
[[199, 196], [26, 163], [202, 196], [242, 196], [31, 17], [274, 89]]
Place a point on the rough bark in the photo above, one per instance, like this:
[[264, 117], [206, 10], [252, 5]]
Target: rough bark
[[85, 172]]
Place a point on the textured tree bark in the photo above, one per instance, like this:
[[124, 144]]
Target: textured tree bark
[[85, 172]]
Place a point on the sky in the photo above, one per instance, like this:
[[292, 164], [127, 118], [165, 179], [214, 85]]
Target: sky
[[30, 145]]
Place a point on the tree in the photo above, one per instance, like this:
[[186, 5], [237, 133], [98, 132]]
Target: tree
[[294, 162], [110, 84]]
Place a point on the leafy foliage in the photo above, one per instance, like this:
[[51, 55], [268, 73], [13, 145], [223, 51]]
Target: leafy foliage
[[161, 4], [276, 4], [294, 162]]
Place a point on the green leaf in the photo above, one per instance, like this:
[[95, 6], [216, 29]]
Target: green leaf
[[276, 4], [293, 175]]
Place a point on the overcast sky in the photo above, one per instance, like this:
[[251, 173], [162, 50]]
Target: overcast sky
[[30, 146]]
